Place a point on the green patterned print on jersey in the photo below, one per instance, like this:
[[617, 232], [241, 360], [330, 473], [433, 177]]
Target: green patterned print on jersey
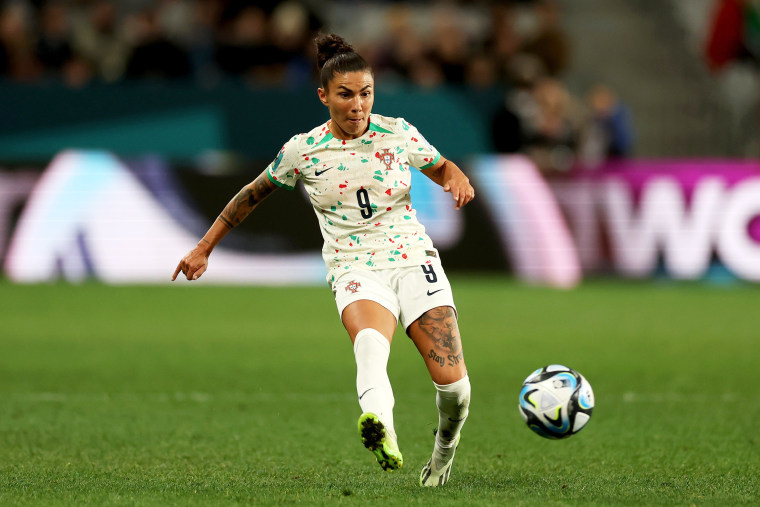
[[359, 189]]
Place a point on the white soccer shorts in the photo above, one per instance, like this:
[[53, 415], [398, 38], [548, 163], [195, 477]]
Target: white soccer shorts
[[407, 292]]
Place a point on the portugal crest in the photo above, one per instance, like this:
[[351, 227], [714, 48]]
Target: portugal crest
[[353, 286], [386, 157]]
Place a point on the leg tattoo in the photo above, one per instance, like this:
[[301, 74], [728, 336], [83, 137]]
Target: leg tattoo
[[440, 325]]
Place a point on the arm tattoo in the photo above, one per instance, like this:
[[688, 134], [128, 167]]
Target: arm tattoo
[[245, 200], [225, 221], [440, 325], [262, 189]]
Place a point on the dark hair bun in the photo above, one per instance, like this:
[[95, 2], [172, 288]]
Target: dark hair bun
[[329, 45]]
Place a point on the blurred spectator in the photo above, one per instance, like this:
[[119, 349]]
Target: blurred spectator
[[480, 72], [244, 48], [53, 44], [17, 55], [506, 125], [732, 53], [734, 33], [176, 19], [426, 72], [549, 43], [291, 30], [201, 39], [100, 39], [450, 47], [611, 127], [504, 42], [154, 55], [553, 135], [77, 72], [518, 108], [544, 122], [402, 48]]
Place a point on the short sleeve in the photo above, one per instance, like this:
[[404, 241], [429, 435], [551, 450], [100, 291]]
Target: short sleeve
[[283, 171], [421, 153]]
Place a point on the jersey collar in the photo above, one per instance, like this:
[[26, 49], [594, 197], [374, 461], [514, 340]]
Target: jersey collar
[[373, 127]]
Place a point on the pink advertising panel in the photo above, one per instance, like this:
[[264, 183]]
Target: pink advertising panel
[[687, 219]]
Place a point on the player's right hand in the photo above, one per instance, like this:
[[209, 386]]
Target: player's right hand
[[193, 265]]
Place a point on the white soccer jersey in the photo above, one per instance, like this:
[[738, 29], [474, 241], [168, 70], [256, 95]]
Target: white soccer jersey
[[359, 189]]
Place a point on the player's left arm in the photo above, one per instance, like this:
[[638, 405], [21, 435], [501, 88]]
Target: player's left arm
[[447, 174]]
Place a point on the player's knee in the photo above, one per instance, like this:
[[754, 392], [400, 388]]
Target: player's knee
[[371, 345], [441, 318]]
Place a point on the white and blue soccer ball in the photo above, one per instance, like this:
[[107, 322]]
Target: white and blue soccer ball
[[556, 401]]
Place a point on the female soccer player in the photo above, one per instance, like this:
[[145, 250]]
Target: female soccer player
[[381, 265]]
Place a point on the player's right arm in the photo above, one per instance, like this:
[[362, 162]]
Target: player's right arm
[[194, 264]]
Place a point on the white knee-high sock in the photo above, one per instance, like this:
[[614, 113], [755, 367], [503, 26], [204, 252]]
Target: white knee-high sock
[[453, 401], [373, 387]]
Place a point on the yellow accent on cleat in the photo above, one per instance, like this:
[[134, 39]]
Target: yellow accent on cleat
[[379, 442]]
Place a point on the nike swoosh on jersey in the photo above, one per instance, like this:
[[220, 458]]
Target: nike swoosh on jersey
[[431, 293], [317, 173]]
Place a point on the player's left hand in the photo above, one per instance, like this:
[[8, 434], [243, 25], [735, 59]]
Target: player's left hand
[[460, 189]]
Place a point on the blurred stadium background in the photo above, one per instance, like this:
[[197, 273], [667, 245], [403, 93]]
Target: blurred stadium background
[[192, 99], [605, 136]]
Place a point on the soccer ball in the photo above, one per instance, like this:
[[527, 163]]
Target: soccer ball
[[556, 401]]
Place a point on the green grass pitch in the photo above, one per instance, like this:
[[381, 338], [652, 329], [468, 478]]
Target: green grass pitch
[[196, 395]]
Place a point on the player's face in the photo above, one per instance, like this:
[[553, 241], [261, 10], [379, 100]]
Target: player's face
[[349, 97]]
